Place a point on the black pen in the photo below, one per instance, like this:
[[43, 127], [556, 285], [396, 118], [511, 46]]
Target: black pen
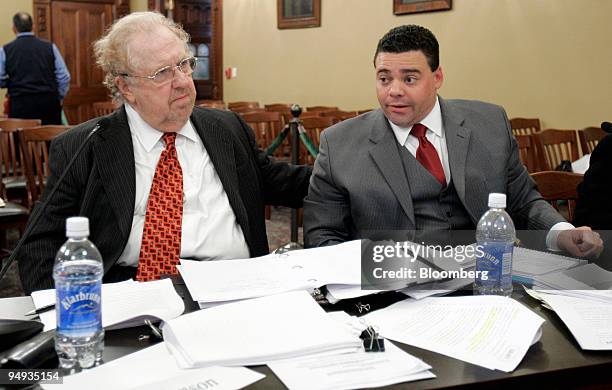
[[42, 309]]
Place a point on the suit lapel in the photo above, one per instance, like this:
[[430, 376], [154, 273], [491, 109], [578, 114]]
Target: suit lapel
[[457, 143], [220, 147], [114, 157], [386, 157]]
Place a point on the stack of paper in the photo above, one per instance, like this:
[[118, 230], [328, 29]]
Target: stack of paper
[[223, 281], [586, 281], [154, 368], [256, 331], [489, 331], [530, 265], [590, 321], [125, 304], [355, 370]]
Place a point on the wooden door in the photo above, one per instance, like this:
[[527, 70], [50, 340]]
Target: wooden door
[[73, 26]]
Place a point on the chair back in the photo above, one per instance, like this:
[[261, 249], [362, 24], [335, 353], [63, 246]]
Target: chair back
[[103, 108], [34, 142], [267, 126], [555, 146], [555, 186], [218, 104], [590, 137], [322, 108], [525, 126], [340, 115], [232, 106], [9, 146], [314, 126], [527, 152]]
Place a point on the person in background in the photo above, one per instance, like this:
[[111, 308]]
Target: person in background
[[34, 73], [424, 163]]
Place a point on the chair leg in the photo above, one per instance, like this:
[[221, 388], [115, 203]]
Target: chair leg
[[268, 212]]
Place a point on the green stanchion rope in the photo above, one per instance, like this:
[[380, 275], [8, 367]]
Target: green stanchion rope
[[313, 150], [310, 147], [277, 141]]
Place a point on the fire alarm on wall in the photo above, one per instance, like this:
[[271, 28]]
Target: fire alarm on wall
[[230, 73]]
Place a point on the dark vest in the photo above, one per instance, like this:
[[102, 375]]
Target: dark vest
[[30, 67], [434, 208]]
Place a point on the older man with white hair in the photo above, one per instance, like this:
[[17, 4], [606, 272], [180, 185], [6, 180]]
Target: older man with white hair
[[163, 180]]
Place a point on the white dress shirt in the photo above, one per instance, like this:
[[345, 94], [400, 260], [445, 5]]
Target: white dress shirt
[[209, 227], [436, 135]]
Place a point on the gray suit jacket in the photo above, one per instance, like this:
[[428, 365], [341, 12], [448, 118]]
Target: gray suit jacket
[[358, 184], [102, 185]]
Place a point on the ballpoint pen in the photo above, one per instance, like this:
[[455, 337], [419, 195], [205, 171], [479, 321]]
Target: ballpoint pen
[[40, 310]]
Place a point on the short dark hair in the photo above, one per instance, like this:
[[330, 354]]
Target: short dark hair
[[411, 38], [22, 22]]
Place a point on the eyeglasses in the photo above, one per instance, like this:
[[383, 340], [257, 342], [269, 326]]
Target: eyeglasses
[[166, 74]]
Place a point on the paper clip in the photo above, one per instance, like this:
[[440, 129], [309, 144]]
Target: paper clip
[[372, 342], [155, 331]]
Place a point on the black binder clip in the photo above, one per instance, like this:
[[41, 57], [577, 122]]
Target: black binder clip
[[372, 342]]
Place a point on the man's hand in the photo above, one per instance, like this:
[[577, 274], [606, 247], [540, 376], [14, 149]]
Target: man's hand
[[580, 242]]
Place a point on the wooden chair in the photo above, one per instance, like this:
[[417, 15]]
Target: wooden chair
[[12, 216], [103, 108], [245, 110], [555, 146], [314, 127], [340, 115], [218, 104], [267, 126], [322, 108], [524, 126], [232, 106], [527, 152], [558, 186], [13, 177], [590, 137], [34, 142], [283, 109]]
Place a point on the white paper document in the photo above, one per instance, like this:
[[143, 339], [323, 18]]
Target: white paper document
[[530, 263], [256, 331], [489, 331], [125, 304], [231, 280], [582, 164], [351, 370], [154, 368], [589, 321]]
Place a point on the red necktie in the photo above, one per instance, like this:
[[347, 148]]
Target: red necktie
[[427, 154], [161, 236]]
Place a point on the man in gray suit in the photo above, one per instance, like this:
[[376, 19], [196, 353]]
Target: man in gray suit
[[422, 162], [162, 180]]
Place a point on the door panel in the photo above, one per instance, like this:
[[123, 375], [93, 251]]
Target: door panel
[[75, 26]]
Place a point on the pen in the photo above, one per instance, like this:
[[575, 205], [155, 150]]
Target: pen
[[42, 309]]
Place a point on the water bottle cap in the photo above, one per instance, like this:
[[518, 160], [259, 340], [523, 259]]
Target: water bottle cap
[[77, 227], [497, 200]]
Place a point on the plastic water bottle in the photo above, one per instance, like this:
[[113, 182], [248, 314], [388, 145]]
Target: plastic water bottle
[[77, 272], [495, 237]]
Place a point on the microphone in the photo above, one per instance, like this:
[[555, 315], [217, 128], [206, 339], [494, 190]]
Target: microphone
[[102, 124], [606, 126]]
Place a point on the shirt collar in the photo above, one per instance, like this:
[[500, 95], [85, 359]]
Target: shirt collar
[[148, 136], [24, 34], [433, 121]]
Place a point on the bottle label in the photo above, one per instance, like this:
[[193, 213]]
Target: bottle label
[[79, 309], [496, 260]]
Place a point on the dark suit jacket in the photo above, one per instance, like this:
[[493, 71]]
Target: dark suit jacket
[[358, 185], [594, 206], [101, 186]]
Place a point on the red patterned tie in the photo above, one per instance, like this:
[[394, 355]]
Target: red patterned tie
[[161, 236], [427, 154]]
